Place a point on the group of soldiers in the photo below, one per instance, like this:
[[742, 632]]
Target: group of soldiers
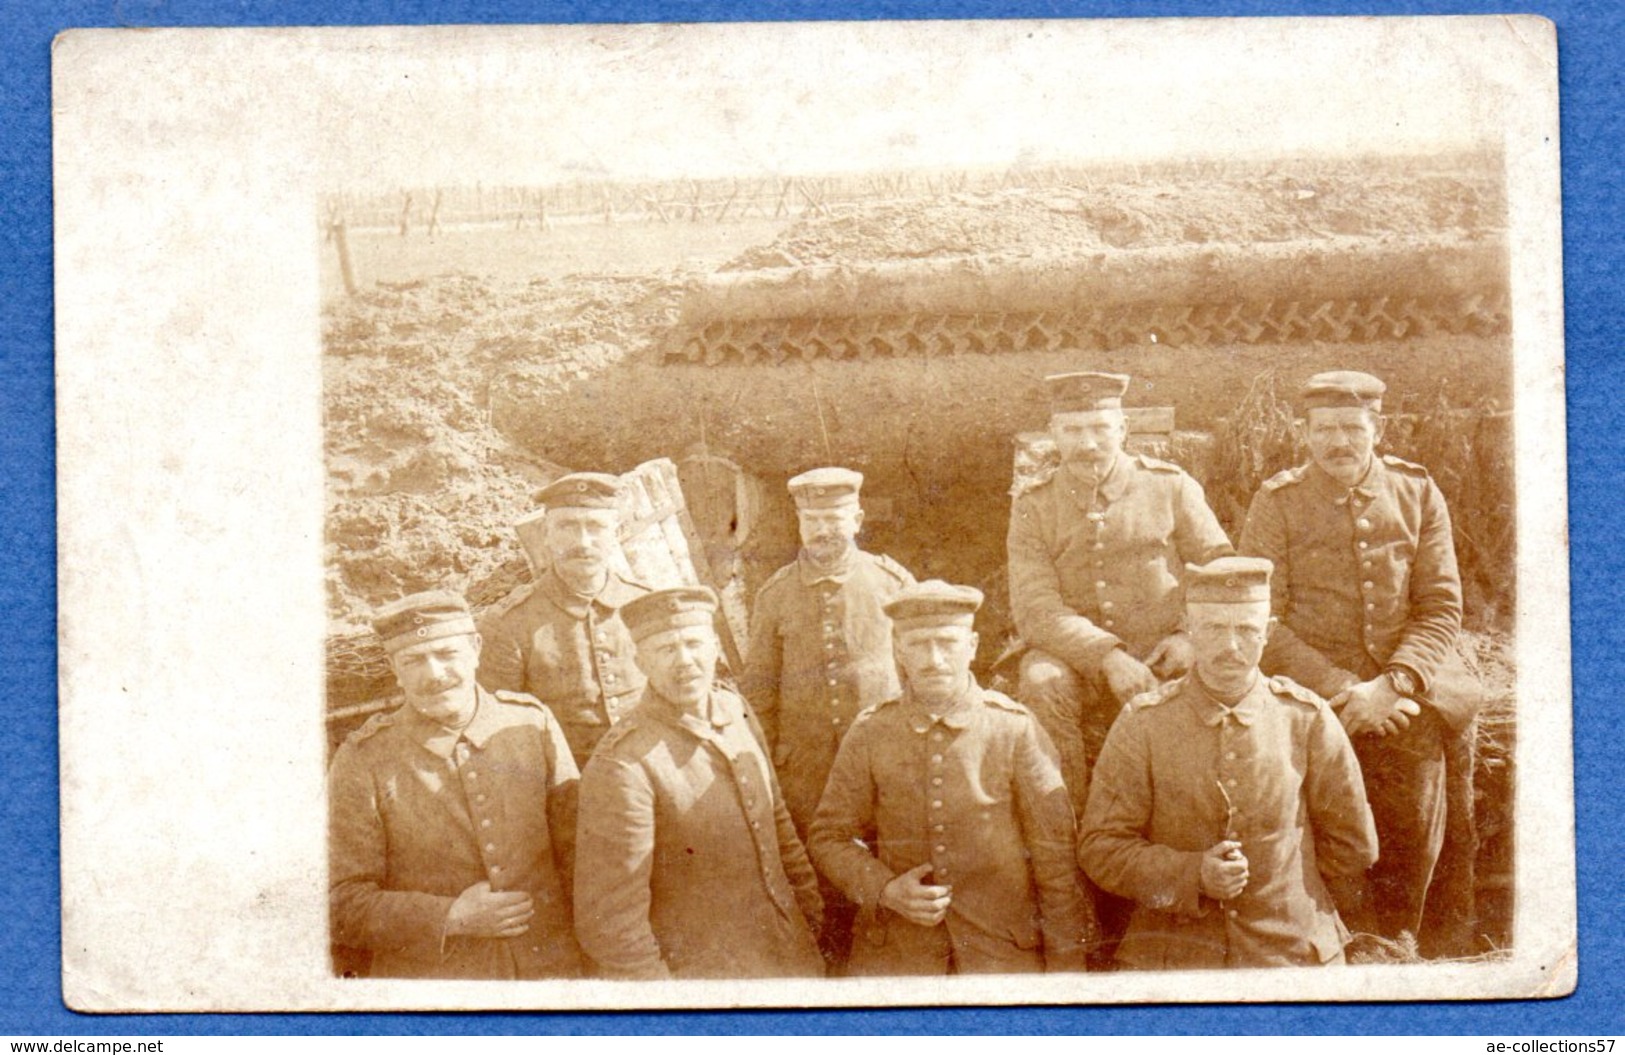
[[1221, 755]]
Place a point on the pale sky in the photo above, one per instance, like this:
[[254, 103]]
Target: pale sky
[[538, 104]]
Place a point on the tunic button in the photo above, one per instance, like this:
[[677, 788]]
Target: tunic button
[[495, 869], [1231, 782], [1368, 584], [1365, 525], [835, 721], [1106, 605], [470, 775], [1108, 624], [1099, 545], [833, 683], [936, 736], [485, 822], [1231, 913], [1229, 756], [535, 948], [936, 804], [1362, 543], [936, 760], [829, 646], [1100, 584], [756, 824], [936, 782], [936, 827], [1370, 606], [942, 849], [490, 848]]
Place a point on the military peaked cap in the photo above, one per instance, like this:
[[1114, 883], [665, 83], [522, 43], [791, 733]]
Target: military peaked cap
[[1070, 393], [422, 617], [673, 609], [934, 603], [1228, 580], [826, 488], [581, 490], [1342, 388]]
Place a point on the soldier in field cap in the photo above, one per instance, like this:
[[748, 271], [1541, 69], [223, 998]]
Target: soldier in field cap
[[1097, 554], [945, 818], [1369, 602], [559, 637], [1228, 806], [820, 652], [688, 865], [453, 817]]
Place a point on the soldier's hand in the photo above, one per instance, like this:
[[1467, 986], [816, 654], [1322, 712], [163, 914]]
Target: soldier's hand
[[1374, 707], [1224, 870], [1126, 676], [914, 900], [1172, 657], [480, 912]]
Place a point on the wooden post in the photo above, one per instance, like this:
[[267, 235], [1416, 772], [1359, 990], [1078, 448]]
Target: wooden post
[[343, 243], [434, 213]]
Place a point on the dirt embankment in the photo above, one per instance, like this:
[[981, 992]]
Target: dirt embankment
[[422, 489], [1088, 218]]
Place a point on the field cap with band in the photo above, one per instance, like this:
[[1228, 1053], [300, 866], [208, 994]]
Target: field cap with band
[[826, 488], [1072, 393], [581, 491], [421, 617], [1342, 388], [1229, 580], [934, 603], [674, 609]]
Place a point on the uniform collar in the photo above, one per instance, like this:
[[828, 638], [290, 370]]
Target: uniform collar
[[1083, 486], [1329, 487], [812, 574], [615, 593], [1214, 713], [440, 741], [957, 716], [723, 713]]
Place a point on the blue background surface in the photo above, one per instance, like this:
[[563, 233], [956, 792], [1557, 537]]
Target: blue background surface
[[1591, 74]]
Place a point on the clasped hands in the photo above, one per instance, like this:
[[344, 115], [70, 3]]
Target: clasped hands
[[1374, 707]]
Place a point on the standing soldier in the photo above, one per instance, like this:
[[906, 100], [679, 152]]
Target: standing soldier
[[687, 863], [560, 638], [945, 817], [1369, 602], [1096, 557], [821, 652], [453, 817], [1228, 805]]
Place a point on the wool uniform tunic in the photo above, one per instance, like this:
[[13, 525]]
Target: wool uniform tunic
[[420, 813], [1094, 567], [572, 653], [687, 863], [820, 652], [1181, 772], [1366, 579], [977, 792]]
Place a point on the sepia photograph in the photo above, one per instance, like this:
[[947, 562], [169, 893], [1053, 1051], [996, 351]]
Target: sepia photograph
[[1078, 500]]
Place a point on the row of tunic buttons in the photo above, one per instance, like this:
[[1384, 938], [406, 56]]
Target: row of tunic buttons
[[939, 867], [1099, 520], [830, 665], [605, 657], [1364, 524], [485, 822]]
